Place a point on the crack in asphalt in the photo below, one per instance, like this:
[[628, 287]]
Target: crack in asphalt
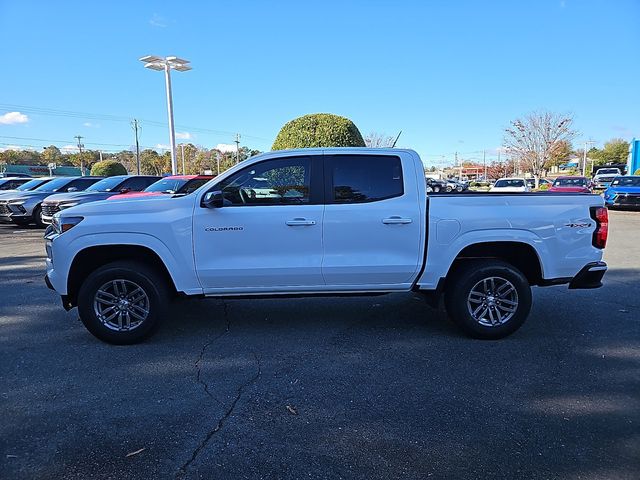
[[204, 384], [183, 470]]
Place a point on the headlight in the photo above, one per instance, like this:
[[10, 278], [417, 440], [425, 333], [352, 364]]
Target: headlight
[[62, 206], [63, 224]]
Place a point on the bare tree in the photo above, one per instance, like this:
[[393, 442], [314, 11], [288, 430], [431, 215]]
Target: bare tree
[[535, 139], [378, 140]]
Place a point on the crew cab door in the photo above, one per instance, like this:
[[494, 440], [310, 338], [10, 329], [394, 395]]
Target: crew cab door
[[372, 223], [268, 233]]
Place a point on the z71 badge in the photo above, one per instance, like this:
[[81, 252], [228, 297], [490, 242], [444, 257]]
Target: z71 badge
[[577, 225]]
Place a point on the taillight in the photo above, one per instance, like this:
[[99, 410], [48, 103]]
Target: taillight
[[601, 216]]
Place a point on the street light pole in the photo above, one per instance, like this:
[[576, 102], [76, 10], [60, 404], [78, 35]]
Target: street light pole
[[167, 64], [172, 132], [584, 157]]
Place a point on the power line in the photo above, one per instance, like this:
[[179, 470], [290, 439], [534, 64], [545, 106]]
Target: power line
[[114, 118]]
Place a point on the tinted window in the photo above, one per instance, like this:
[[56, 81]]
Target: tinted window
[[167, 185], [626, 182], [55, 185], [193, 185], [137, 184], [10, 184], [510, 183], [106, 185], [83, 183], [364, 178], [570, 182], [284, 181], [31, 184]]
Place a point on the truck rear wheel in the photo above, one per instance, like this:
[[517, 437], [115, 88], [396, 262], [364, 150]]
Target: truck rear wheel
[[122, 302], [488, 299]]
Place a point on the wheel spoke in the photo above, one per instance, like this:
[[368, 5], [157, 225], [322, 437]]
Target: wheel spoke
[[110, 317], [106, 297], [492, 301], [121, 305], [136, 315]]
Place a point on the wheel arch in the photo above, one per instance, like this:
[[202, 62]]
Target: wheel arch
[[91, 258], [521, 255]]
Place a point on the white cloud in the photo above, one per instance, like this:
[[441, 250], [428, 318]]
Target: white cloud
[[161, 146], [183, 136], [10, 118], [11, 147], [225, 148], [157, 21], [91, 125], [69, 149]]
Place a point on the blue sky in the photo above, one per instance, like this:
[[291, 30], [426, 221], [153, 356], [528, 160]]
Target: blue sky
[[450, 75]]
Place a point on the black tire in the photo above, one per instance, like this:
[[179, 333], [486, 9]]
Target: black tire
[[151, 282], [20, 222], [459, 299], [37, 217], [448, 189], [436, 189]]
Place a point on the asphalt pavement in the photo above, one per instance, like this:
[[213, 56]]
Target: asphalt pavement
[[369, 387]]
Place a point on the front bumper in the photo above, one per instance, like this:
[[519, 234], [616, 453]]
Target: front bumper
[[590, 276], [623, 200]]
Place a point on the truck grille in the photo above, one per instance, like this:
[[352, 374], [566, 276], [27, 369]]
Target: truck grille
[[49, 210], [628, 199], [4, 210]]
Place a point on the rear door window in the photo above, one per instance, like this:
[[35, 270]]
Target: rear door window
[[363, 178]]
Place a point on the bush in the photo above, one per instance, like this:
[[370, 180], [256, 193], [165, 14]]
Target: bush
[[318, 130], [108, 168]]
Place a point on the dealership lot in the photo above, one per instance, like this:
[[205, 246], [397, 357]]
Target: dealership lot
[[370, 387]]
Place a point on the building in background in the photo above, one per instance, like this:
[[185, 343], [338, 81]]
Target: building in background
[[41, 170]]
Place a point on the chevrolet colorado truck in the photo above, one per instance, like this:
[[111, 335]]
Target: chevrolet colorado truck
[[335, 221]]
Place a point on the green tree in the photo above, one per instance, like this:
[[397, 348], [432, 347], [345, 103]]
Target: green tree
[[318, 130], [51, 154], [614, 151], [108, 168]]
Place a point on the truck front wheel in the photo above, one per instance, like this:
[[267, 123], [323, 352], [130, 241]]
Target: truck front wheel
[[488, 299], [122, 302]]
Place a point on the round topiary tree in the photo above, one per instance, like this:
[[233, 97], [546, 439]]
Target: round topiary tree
[[318, 130], [108, 168]]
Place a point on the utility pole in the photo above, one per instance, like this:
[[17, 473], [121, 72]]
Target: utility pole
[[134, 125], [484, 160], [80, 146], [584, 157], [237, 142], [182, 149], [217, 163], [100, 155]]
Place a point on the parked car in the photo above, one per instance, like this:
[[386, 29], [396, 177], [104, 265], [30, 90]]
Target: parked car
[[605, 176], [172, 185], [23, 208], [531, 182], [11, 183], [571, 185], [102, 190], [510, 185], [358, 223], [15, 175], [455, 185], [623, 192], [436, 185]]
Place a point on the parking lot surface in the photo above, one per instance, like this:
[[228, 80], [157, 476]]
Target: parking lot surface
[[368, 387]]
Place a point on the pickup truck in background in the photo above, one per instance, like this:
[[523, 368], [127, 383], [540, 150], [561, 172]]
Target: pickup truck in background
[[335, 221]]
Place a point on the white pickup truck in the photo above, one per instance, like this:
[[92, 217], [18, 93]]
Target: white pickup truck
[[325, 222]]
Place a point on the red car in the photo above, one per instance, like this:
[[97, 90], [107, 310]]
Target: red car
[[174, 185], [571, 185]]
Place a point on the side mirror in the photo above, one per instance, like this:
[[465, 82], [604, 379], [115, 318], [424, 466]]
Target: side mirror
[[72, 189], [213, 199], [125, 190]]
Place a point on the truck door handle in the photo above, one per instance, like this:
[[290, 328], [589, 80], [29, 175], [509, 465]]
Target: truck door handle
[[396, 220], [300, 222]]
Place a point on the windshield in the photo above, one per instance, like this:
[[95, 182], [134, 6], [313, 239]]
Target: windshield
[[570, 182], [54, 185], [608, 171], [106, 185], [626, 182], [167, 185], [31, 184], [510, 183]]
